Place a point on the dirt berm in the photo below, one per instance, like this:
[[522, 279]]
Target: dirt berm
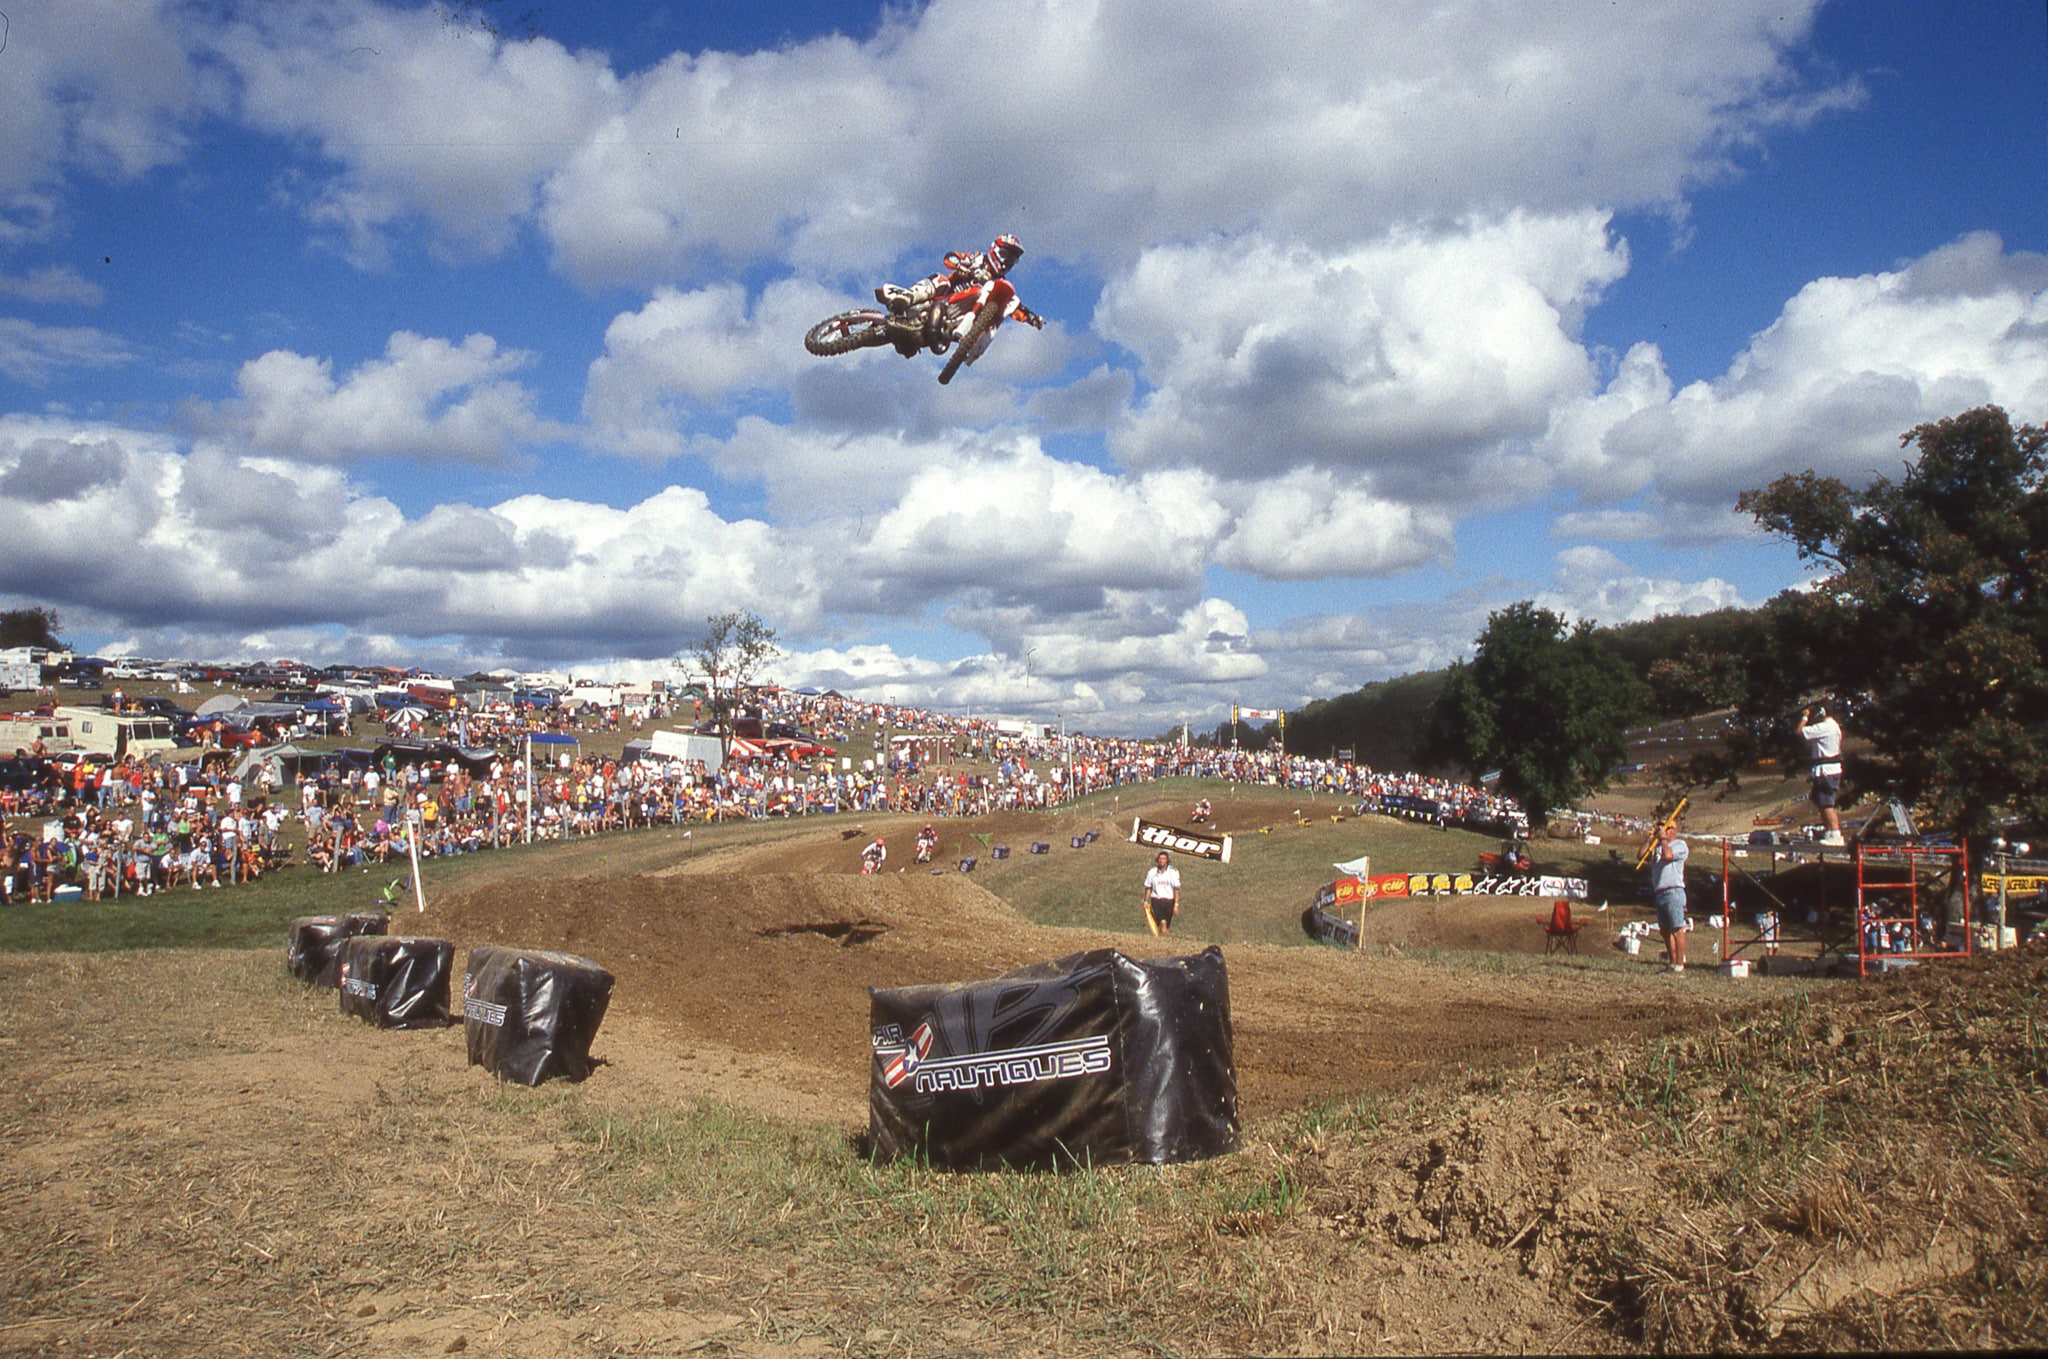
[[761, 978]]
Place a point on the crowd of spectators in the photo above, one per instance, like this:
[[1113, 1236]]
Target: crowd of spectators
[[137, 826], [131, 826]]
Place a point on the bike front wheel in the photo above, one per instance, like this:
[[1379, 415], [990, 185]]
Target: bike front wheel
[[984, 321]]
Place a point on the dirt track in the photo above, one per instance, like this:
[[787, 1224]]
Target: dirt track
[[768, 972]]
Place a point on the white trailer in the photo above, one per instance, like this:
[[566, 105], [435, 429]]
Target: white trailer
[[683, 745]]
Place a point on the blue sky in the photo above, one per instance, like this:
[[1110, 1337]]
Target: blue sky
[[469, 334]]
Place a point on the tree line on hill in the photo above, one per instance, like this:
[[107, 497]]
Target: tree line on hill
[[1926, 629]]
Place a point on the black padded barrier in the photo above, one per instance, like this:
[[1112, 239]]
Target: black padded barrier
[[529, 1014], [395, 982], [1091, 1059]]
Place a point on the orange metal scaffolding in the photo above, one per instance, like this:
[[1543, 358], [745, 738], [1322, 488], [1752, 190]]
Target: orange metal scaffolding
[[1889, 927]]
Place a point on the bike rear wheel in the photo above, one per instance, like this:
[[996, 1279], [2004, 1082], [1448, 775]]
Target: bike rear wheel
[[848, 331]]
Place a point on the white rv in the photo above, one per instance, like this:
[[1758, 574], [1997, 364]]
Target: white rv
[[21, 731], [138, 734]]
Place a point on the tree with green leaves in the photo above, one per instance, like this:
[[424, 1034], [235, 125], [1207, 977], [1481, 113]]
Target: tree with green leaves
[[1933, 614], [1546, 705], [729, 654], [35, 626], [1757, 666]]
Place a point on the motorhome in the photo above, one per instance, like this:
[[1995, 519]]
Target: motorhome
[[117, 734], [21, 731]]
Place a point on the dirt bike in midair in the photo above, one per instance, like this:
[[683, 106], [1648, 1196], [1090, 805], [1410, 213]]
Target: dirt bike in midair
[[961, 318]]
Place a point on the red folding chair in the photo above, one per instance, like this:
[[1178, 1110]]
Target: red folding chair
[[1560, 931]]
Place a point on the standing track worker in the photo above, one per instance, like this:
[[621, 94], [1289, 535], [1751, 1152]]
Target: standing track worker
[[1667, 854], [1162, 895]]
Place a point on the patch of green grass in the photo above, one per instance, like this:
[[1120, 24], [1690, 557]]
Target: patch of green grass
[[1257, 897], [251, 915], [1092, 1249], [247, 916]]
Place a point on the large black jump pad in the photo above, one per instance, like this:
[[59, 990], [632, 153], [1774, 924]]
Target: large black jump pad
[[396, 983], [1089, 1060], [312, 943], [528, 1014]]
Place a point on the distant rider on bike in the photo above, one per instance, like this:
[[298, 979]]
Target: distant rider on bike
[[964, 269]]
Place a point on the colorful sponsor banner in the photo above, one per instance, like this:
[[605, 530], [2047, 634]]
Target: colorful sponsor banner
[[1351, 891], [1155, 835], [2015, 884]]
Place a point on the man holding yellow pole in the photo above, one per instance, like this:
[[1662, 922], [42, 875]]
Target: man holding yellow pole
[[1162, 895]]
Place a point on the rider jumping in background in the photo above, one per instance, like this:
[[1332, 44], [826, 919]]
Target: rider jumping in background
[[964, 269], [958, 309]]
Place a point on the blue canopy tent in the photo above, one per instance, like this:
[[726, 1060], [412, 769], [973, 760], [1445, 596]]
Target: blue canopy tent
[[323, 709]]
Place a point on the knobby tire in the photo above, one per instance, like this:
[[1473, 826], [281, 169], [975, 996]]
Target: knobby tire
[[846, 332], [984, 320]]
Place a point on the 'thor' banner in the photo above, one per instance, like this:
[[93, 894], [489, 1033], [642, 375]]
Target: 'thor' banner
[[1173, 838]]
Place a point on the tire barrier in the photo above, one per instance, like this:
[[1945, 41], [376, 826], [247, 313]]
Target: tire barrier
[[1092, 1059], [1452, 815], [528, 1015], [1325, 928], [313, 941], [396, 983]]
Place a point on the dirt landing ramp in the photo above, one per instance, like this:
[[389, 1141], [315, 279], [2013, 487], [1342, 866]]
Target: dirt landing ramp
[[767, 975]]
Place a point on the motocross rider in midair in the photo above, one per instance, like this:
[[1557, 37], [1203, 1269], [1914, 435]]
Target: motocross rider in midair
[[964, 269]]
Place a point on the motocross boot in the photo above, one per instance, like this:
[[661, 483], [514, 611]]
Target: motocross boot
[[897, 300]]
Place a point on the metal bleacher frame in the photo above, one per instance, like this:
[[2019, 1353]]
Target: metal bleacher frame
[[1887, 902]]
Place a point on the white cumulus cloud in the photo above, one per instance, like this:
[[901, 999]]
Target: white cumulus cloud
[[1032, 526], [426, 399], [1591, 582], [102, 88], [1118, 125], [1310, 525], [1408, 357], [1849, 365], [147, 536]]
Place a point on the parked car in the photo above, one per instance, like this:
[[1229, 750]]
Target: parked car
[[18, 774]]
